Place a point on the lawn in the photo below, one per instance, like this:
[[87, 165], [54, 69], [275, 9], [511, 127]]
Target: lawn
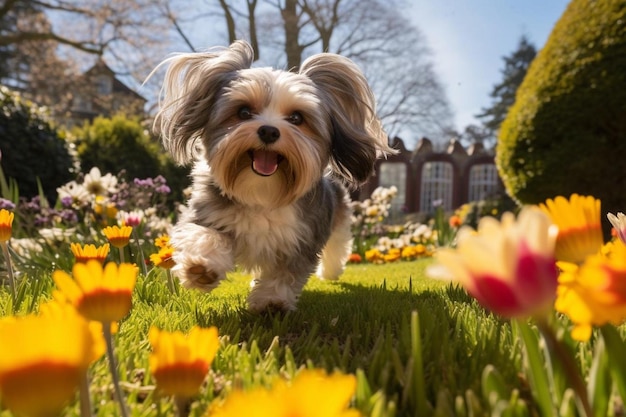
[[364, 324]]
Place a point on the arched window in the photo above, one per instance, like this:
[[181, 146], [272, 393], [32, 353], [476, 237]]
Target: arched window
[[437, 184], [483, 182], [394, 174]]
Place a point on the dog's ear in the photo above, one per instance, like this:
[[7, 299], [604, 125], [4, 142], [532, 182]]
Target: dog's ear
[[192, 83], [357, 136]]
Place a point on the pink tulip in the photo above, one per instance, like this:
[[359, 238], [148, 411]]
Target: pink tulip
[[508, 266]]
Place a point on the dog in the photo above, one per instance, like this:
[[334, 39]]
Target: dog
[[274, 154]]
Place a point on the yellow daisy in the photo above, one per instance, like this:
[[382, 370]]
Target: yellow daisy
[[6, 224], [580, 231], [163, 258], [162, 241], [179, 362], [39, 369], [594, 294], [89, 252], [118, 236], [312, 393], [99, 293]]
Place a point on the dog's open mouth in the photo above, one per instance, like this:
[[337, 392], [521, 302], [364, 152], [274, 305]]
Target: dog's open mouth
[[265, 162]]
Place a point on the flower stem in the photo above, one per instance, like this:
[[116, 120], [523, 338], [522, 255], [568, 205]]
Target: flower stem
[[7, 257], [85, 399], [142, 259], [181, 405], [108, 338], [170, 282], [558, 351], [122, 255]]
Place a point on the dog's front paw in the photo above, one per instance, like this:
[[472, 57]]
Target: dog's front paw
[[193, 273], [271, 297]]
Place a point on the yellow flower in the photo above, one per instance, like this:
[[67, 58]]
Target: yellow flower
[[100, 294], [163, 258], [580, 231], [311, 394], [393, 255], [89, 252], [39, 369], [104, 207], [118, 236], [162, 241], [374, 255], [594, 294], [180, 363], [6, 224], [508, 266]]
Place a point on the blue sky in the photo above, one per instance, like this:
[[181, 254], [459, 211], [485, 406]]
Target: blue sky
[[469, 38]]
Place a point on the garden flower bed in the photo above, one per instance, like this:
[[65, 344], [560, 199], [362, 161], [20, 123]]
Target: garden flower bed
[[527, 319]]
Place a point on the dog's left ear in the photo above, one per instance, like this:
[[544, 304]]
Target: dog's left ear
[[357, 137]]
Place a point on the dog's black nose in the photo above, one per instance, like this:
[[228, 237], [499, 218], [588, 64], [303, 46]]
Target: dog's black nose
[[268, 134]]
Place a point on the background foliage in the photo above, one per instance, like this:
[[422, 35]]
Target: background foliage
[[566, 132], [32, 148]]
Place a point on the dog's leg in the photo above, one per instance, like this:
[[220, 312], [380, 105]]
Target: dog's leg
[[202, 256], [278, 288], [337, 249]]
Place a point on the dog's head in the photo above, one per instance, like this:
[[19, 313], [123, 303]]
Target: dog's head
[[269, 135]]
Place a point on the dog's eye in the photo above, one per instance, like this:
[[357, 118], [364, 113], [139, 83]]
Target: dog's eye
[[245, 113], [295, 118]]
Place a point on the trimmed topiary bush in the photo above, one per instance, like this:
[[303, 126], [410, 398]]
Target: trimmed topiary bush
[[566, 132], [31, 147]]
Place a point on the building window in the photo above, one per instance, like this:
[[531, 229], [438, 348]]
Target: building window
[[394, 174], [483, 182], [104, 85], [436, 187]]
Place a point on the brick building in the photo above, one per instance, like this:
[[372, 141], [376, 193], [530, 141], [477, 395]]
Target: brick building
[[427, 178]]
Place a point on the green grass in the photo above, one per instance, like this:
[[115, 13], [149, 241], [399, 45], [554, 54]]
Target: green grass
[[362, 324]]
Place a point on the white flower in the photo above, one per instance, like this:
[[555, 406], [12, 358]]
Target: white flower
[[619, 223], [97, 184], [56, 235], [130, 218], [79, 195]]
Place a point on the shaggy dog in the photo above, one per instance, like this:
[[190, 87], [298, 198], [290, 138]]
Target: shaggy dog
[[273, 152]]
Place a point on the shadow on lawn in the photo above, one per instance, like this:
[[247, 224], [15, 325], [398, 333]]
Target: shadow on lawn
[[368, 328]]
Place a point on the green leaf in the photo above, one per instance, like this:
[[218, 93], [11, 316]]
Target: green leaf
[[615, 348], [493, 386], [599, 385], [534, 364]]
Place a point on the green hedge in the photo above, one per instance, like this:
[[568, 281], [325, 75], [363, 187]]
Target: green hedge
[[32, 148], [566, 131]]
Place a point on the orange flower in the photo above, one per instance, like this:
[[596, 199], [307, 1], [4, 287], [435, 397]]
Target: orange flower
[[180, 362], [578, 220], [89, 252], [455, 221], [162, 241], [594, 294], [355, 258], [100, 294], [6, 224], [163, 258], [39, 370], [118, 236]]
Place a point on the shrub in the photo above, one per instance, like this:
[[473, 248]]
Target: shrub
[[32, 148], [566, 132], [120, 144]]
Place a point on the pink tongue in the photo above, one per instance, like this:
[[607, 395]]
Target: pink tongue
[[264, 162]]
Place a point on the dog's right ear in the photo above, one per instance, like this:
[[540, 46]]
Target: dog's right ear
[[192, 84]]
